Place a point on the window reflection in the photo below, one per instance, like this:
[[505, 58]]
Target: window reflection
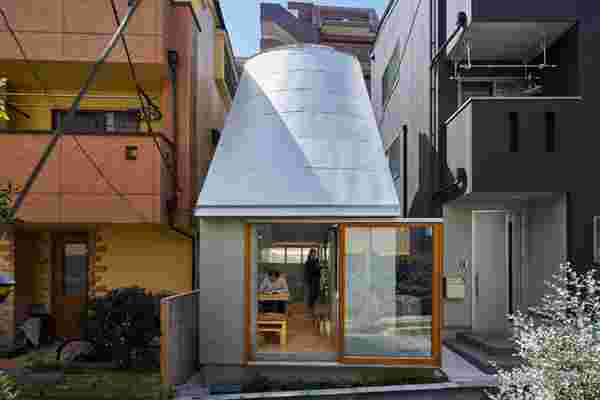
[[389, 288]]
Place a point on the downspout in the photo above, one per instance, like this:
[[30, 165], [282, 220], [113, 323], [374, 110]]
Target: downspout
[[461, 22], [172, 202]]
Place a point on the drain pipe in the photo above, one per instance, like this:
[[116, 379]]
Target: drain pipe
[[461, 22], [172, 202]]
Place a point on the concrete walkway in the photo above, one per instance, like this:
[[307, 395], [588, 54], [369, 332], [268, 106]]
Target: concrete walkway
[[192, 391], [458, 370]]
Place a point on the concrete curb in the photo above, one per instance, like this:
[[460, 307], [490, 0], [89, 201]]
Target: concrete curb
[[404, 390]]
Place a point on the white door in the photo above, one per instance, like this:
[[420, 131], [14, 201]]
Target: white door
[[489, 272]]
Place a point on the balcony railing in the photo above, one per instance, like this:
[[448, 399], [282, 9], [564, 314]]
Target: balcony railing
[[521, 138]]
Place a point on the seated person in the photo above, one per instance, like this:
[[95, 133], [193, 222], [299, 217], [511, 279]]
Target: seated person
[[273, 282]]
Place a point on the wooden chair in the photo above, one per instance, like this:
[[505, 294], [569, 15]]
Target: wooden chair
[[273, 322]]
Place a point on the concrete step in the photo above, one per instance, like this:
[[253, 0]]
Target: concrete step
[[493, 345], [480, 358]]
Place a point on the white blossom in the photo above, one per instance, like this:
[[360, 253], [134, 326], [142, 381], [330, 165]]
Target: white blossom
[[557, 343]]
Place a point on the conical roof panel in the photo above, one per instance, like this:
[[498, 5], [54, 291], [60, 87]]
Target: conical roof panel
[[300, 139]]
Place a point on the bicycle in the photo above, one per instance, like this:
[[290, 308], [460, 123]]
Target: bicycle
[[119, 344]]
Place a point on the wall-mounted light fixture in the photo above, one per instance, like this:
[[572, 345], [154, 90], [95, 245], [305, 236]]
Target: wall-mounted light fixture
[[131, 152]]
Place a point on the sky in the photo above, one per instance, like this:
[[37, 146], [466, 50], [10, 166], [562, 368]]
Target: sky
[[242, 19]]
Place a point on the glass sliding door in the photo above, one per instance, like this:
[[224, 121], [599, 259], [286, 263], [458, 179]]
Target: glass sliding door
[[391, 293]]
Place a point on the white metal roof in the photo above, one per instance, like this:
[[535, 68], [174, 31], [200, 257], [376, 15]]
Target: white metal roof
[[300, 140]]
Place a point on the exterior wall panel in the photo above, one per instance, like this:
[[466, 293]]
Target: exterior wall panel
[[547, 245], [222, 291], [409, 102], [457, 247], [478, 140]]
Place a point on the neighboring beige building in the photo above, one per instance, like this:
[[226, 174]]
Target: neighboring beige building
[[78, 238]]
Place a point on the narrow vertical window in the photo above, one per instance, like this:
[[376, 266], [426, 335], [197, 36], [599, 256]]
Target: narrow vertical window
[[550, 132], [513, 139], [405, 170]]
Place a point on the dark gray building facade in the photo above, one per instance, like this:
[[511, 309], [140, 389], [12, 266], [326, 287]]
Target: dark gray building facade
[[490, 124]]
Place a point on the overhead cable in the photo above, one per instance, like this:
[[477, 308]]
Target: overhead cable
[[34, 69], [143, 97]]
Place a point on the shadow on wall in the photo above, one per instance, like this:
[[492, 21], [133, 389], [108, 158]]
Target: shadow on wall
[[424, 204], [434, 175]]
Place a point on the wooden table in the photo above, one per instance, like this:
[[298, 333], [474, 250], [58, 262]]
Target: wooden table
[[277, 324], [274, 297]]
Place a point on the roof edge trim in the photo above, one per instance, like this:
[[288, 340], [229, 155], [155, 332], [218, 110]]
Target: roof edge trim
[[298, 211]]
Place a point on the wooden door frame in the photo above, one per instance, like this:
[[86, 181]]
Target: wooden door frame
[[57, 270], [436, 300]]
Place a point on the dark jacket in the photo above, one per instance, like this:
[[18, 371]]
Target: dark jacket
[[312, 268]]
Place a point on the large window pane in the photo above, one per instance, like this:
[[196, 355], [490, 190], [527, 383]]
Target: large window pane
[[75, 269], [388, 291], [294, 255]]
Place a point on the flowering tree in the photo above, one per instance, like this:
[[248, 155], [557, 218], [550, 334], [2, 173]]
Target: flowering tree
[[558, 344]]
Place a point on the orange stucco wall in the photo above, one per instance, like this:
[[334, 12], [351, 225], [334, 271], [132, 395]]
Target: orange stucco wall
[[70, 189], [77, 30]]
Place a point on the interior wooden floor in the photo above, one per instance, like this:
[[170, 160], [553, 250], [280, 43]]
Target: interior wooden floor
[[302, 337]]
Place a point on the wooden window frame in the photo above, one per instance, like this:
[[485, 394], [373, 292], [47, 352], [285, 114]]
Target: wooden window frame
[[434, 360], [55, 115]]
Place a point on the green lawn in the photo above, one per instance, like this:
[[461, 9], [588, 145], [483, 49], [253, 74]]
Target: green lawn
[[96, 384], [90, 384]]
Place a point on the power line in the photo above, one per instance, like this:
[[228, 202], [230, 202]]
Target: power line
[[133, 5], [34, 69], [78, 143], [141, 96], [107, 180]]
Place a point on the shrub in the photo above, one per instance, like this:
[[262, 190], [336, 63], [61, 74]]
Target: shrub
[[6, 216], [40, 362], [8, 387], [129, 313], [558, 344]]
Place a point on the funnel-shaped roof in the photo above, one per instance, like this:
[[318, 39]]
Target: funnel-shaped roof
[[300, 140]]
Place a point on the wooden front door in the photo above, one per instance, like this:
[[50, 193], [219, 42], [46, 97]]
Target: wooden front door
[[71, 255]]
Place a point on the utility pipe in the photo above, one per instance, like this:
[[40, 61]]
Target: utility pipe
[[87, 96], [133, 5], [540, 66], [461, 22], [172, 60]]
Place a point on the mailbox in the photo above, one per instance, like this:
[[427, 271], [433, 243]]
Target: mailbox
[[455, 287]]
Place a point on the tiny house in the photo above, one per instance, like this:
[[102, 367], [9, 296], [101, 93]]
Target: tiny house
[[300, 166]]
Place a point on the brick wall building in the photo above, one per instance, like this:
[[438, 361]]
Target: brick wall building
[[351, 30]]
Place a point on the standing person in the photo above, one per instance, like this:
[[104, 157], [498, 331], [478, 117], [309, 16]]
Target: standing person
[[313, 275]]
